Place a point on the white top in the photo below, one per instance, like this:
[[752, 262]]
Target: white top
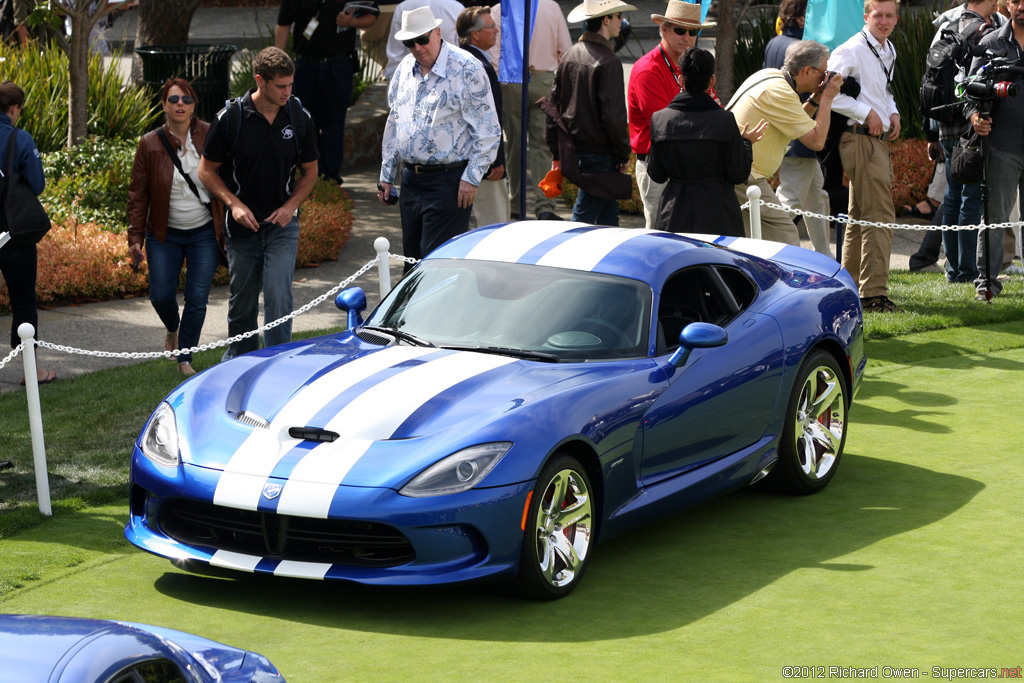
[[854, 58], [185, 211]]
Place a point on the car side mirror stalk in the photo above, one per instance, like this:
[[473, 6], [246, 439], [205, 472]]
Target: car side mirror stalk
[[352, 301], [697, 336]]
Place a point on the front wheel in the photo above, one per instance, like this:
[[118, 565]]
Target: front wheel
[[558, 532], [815, 429]]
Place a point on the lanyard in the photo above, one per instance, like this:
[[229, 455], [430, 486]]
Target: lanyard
[[668, 63], [887, 72]]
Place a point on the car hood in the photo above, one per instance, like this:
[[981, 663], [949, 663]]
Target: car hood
[[337, 410]]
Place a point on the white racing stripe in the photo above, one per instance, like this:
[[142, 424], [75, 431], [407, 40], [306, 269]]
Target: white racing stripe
[[763, 248], [239, 561], [246, 472], [375, 415], [302, 570], [508, 244], [585, 251]]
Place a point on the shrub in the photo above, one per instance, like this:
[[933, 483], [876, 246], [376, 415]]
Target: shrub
[[89, 183], [752, 37], [116, 110], [911, 171], [912, 37], [633, 205]]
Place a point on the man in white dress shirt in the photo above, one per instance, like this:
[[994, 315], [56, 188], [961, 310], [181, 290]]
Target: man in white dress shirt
[[864, 149]]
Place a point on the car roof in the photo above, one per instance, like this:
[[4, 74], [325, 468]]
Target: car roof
[[640, 254]]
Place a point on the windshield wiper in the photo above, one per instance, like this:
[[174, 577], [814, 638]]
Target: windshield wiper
[[399, 334], [518, 353]]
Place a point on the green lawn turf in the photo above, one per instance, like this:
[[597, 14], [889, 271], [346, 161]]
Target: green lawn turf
[[911, 558]]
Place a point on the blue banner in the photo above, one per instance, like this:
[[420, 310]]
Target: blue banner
[[705, 5], [833, 22], [513, 18]]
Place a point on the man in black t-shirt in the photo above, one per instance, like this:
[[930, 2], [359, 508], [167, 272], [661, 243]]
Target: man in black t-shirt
[[325, 40], [253, 150]]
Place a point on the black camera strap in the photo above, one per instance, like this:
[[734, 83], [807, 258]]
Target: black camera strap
[[887, 72]]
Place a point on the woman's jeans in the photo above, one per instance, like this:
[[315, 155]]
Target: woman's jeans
[[197, 247]]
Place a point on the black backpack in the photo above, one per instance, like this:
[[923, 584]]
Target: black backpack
[[233, 120], [946, 64]]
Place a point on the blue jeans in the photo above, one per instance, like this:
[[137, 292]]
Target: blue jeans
[[325, 89], [263, 261], [198, 247], [591, 209], [960, 206]]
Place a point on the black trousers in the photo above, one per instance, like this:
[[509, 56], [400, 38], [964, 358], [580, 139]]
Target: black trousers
[[18, 264], [429, 205]]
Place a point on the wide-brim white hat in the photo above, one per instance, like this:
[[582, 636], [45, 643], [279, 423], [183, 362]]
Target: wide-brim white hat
[[416, 22], [592, 9], [685, 14]]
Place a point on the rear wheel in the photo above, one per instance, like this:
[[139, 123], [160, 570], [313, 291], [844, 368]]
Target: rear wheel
[[559, 531], [815, 429]]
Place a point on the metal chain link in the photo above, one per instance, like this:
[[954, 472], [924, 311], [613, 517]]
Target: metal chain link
[[224, 342], [12, 355], [876, 224]]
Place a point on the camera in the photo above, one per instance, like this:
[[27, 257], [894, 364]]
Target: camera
[[989, 83], [393, 197]]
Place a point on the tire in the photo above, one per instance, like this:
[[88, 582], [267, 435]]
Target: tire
[[555, 554], [814, 433]]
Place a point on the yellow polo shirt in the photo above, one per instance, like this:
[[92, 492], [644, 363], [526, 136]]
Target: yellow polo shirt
[[767, 95]]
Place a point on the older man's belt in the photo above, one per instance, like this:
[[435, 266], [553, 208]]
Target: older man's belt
[[436, 168]]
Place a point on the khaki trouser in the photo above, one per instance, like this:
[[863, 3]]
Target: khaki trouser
[[776, 225], [866, 250], [538, 155], [650, 193], [491, 203]]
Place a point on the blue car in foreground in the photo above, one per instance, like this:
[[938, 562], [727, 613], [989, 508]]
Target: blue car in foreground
[[38, 649], [524, 391]]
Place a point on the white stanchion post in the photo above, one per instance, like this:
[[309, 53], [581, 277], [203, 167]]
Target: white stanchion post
[[754, 196], [382, 246], [35, 418]]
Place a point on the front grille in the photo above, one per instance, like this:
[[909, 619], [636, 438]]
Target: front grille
[[268, 534]]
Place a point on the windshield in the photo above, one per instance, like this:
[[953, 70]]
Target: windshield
[[567, 314]]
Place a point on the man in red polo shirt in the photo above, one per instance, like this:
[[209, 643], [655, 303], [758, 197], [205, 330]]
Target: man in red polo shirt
[[653, 82]]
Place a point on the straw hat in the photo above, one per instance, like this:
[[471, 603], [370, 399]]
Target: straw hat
[[416, 22], [592, 9], [679, 13]]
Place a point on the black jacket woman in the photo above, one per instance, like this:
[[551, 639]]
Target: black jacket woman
[[18, 264], [699, 151]]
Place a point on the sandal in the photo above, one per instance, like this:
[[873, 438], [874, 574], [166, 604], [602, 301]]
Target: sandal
[[916, 212], [48, 377], [185, 368]]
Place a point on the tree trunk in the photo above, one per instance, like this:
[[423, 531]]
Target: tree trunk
[[725, 49], [82, 23], [162, 23]]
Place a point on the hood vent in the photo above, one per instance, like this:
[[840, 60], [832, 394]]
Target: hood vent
[[252, 420], [374, 338], [313, 434]]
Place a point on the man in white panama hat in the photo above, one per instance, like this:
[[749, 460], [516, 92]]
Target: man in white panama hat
[[653, 82], [444, 127], [589, 94]]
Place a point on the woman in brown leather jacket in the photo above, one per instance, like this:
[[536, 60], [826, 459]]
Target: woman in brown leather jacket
[[175, 219]]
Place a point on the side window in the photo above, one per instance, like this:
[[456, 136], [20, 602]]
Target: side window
[[699, 294]]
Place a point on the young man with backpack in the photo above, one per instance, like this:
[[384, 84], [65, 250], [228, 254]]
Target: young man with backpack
[[253, 150], [947, 62]]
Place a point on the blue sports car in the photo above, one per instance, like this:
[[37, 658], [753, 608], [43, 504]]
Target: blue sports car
[[40, 649], [522, 392]]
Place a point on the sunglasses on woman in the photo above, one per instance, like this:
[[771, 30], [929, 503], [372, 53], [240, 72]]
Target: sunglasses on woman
[[418, 40], [680, 31], [186, 99]]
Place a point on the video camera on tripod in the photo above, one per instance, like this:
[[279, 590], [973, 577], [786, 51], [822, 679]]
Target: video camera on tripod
[[990, 83]]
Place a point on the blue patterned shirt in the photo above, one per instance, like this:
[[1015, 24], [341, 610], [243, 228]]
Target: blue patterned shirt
[[447, 117]]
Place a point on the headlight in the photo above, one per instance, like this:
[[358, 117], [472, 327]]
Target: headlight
[[458, 472], [160, 441]]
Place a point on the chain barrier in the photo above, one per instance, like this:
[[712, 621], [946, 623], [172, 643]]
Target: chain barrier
[[876, 224], [15, 352], [140, 355]]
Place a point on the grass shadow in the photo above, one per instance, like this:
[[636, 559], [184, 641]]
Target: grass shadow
[[665, 576]]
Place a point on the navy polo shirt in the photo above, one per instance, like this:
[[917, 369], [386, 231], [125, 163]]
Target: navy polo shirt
[[261, 171]]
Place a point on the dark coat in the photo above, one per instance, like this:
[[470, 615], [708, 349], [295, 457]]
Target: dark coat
[[496, 93], [697, 149]]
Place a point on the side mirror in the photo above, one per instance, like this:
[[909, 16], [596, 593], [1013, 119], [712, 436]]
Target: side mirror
[[697, 336], [353, 301]]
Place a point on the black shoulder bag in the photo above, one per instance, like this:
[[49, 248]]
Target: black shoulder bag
[[22, 216], [173, 154]]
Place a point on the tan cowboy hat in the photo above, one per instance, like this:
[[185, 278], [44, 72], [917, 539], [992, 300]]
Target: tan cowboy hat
[[680, 13], [592, 9], [416, 22]]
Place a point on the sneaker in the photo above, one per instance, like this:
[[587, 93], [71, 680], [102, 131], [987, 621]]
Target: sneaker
[[930, 268], [1014, 269], [879, 304], [549, 216]]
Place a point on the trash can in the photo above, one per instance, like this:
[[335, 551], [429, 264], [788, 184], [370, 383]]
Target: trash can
[[208, 67]]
